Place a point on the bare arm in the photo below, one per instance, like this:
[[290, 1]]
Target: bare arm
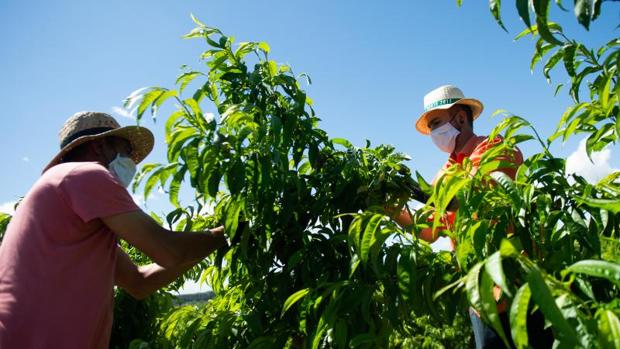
[[141, 281], [167, 248]]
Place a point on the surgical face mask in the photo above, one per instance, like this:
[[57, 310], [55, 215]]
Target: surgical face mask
[[123, 168], [444, 137]]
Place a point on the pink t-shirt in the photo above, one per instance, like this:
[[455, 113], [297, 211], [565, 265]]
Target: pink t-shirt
[[57, 260]]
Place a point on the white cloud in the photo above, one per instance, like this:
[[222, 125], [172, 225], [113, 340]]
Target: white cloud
[[594, 170], [123, 112], [8, 207], [26, 159]]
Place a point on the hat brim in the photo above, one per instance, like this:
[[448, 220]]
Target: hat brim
[[476, 109], [141, 140]]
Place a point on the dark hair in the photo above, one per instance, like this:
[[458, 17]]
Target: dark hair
[[74, 153]]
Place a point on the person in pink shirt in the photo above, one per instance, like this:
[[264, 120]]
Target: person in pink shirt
[[60, 258]]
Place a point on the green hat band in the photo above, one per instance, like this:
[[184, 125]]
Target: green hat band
[[440, 102]]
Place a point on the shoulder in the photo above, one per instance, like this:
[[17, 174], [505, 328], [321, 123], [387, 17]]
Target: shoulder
[[90, 172]]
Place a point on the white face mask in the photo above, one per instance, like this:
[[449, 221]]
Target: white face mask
[[123, 168], [444, 137]]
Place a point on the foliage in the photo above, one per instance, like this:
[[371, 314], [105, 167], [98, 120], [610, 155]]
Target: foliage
[[308, 271], [597, 117], [424, 332], [4, 222], [320, 265], [138, 319], [562, 249]]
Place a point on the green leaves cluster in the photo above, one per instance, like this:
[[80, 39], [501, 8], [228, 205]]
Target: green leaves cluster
[[311, 272], [540, 238], [4, 222], [321, 265], [596, 116], [548, 240]]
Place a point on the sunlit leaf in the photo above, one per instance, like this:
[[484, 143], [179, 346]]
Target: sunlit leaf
[[495, 7], [294, 298], [542, 296], [609, 327], [597, 268], [518, 317], [523, 8]]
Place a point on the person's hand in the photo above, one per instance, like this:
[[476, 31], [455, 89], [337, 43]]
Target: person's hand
[[219, 234]]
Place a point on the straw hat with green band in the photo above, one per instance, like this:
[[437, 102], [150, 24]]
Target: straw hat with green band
[[445, 97], [87, 126]]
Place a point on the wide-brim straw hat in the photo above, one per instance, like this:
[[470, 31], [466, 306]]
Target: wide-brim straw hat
[[86, 126], [445, 97]]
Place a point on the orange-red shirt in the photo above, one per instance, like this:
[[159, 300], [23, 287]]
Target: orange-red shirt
[[473, 150]]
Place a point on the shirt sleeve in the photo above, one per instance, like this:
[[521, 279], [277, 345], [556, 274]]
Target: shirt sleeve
[[92, 192]]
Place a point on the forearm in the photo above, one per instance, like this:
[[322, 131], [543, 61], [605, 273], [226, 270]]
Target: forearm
[[153, 277], [193, 247]]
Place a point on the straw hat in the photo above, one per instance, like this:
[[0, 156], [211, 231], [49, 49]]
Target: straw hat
[[86, 126], [445, 97]]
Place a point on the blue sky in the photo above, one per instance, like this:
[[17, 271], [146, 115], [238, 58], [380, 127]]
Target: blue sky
[[370, 62]]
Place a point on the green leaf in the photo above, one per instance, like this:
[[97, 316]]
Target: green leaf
[[147, 99], [541, 8], [518, 317], [612, 205], [151, 181], [472, 286], [508, 185], [340, 333], [264, 46], [177, 140], [160, 100], [369, 237], [597, 9], [583, 12], [551, 62], [364, 338], [523, 8], [195, 20], [609, 330], [235, 178], [569, 51], [343, 142], [493, 266], [404, 271], [175, 186], [489, 306], [541, 51], [294, 298], [597, 268], [605, 93], [495, 7], [265, 342], [542, 296], [232, 217], [189, 154], [185, 78], [214, 182]]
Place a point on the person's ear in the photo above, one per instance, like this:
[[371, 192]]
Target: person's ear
[[461, 117]]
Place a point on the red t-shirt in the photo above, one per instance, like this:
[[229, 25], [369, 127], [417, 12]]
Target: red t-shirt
[[58, 259], [473, 150]]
